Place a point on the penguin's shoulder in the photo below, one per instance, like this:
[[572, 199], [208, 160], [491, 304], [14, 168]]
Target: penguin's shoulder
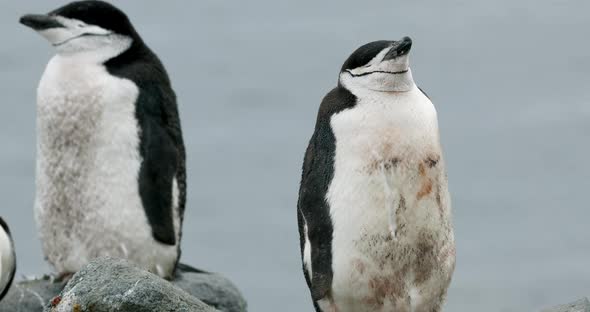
[[144, 69], [318, 163], [335, 101], [156, 99], [317, 166]]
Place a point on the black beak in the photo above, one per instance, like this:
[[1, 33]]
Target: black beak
[[400, 48], [40, 21]]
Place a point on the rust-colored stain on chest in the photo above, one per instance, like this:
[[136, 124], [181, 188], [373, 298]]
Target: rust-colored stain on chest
[[426, 187]]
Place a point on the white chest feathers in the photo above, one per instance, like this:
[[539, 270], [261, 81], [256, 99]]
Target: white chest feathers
[[389, 205], [88, 202], [77, 98], [7, 260]]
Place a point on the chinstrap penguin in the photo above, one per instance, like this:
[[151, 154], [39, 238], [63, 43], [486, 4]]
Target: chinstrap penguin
[[7, 259], [374, 208], [111, 162]]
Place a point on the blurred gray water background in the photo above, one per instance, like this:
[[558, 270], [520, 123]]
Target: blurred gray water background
[[510, 81]]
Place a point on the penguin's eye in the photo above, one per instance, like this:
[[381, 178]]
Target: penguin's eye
[[368, 65]]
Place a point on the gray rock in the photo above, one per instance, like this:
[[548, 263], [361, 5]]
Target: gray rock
[[582, 305], [106, 281], [213, 289], [30, 295], [107, 285]]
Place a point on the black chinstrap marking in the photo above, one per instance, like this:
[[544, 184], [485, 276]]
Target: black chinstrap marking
[[377, 72], [81, 36]]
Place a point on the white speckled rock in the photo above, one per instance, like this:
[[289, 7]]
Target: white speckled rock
[[115, 285], [109, 285], [582, 305]]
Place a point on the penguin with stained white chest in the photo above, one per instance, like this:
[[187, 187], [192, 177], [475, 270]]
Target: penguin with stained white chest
[[374, 209], [110, 177], [7, 259]]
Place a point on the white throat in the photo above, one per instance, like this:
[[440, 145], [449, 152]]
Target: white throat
[[378, 81], [393, 75]]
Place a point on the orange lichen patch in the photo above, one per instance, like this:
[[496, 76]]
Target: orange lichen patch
[[77, 308], [425, 189], [55, 301]]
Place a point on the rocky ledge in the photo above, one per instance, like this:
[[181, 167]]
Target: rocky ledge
[[115, 285], [582, 305]]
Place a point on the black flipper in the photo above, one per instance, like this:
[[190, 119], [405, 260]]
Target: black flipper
[[313, 209], [158, 169]]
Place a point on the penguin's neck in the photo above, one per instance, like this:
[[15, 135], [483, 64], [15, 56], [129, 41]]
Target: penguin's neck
[[393, 83], [98, 55], [379, 82]]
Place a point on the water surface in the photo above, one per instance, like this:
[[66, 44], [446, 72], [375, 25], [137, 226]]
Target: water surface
[[510, 81]]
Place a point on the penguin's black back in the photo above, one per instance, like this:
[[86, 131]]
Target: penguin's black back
[[161, 144], [313, 209]]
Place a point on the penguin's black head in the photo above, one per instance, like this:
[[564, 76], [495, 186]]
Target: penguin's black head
[[380, 66], [83, 26], [97, 13]]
